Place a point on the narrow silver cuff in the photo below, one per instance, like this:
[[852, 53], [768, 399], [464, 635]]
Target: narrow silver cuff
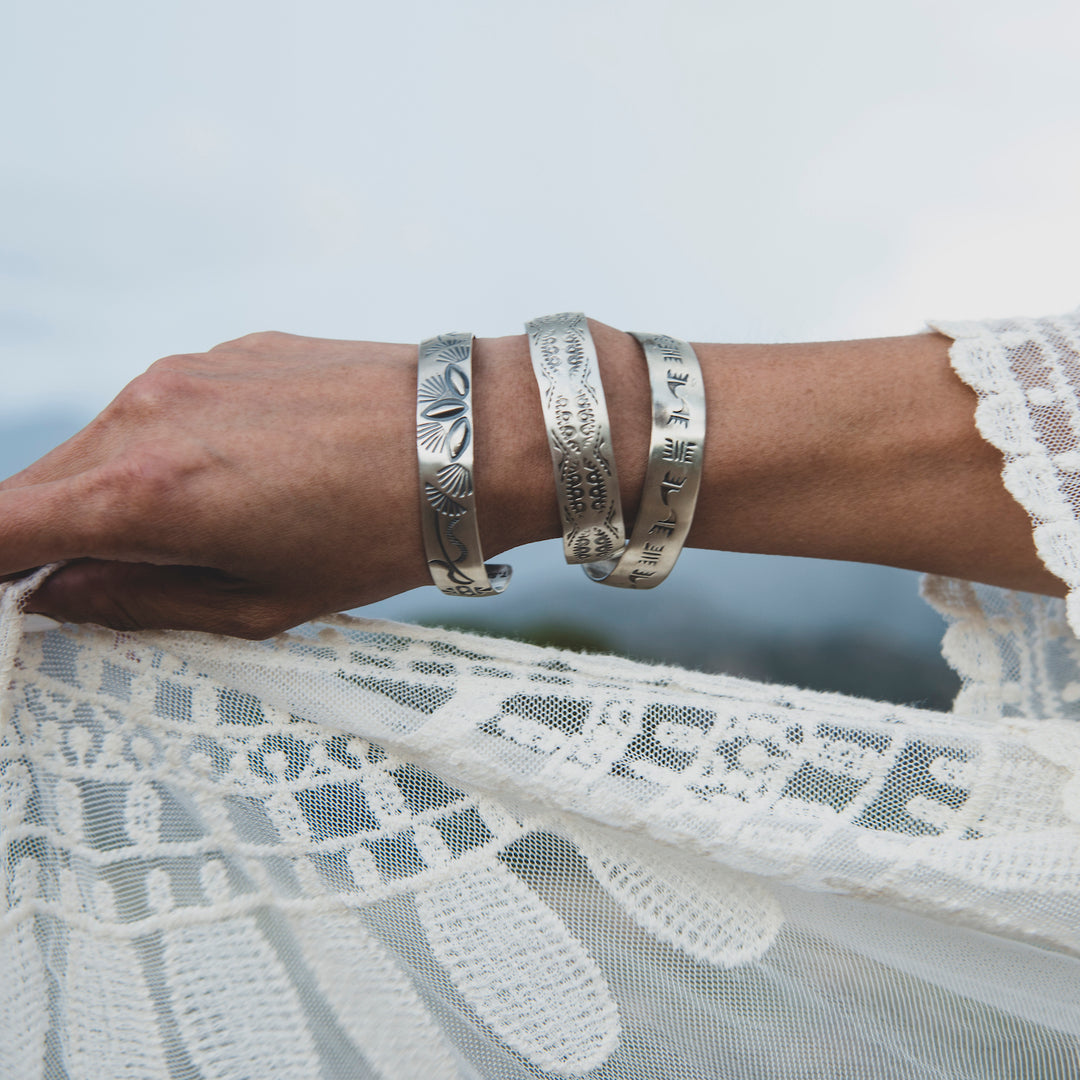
[[673, 474], [586, 483], [444, 450]]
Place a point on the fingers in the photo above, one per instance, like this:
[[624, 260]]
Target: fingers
[[85, 515], [139, 596], [132, 416], [130, 509], [73, 456], [44, 523]]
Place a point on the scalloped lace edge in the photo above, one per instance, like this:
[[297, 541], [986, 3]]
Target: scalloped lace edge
[[978, 357]]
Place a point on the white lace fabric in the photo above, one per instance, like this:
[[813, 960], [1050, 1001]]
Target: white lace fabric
[[366, 850], [1018, 654], [1026, 373]]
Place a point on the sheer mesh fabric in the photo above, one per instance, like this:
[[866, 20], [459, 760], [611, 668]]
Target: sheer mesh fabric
[[1026, 373], [366, 850]]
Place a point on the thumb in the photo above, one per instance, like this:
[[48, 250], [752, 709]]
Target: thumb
[[143, 596]]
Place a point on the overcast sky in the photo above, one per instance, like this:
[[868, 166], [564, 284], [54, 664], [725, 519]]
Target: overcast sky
[[173, 174]]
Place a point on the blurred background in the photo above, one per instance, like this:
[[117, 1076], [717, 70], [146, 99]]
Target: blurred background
[[174, 174]]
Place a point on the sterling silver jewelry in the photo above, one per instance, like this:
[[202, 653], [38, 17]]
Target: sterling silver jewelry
[[444, 450], [586, 484], [673, 474]]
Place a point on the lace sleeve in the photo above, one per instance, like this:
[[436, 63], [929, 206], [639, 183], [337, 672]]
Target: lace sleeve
[[1018, 654]]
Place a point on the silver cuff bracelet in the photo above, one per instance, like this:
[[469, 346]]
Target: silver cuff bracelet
[[444, 449], [586, 484], [673, 474]]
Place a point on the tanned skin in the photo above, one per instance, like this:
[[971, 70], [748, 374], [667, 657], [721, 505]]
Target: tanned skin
[[273, 479]]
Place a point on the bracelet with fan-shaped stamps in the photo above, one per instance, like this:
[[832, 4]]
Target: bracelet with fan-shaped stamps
[[444, 446]]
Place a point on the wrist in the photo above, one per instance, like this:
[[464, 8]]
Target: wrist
[[515, 500]]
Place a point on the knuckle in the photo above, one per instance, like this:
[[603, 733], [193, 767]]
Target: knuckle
[[144, 502], [138, 398], [148, 469], [256, 342], [155, 391], [142, 481], [175, 362]]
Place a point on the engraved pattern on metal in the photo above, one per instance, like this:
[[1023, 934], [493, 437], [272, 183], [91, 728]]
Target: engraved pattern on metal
[[586, 483], [673, 474], [444, 452]]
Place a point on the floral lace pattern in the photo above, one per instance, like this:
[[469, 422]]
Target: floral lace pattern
[[368, 849]]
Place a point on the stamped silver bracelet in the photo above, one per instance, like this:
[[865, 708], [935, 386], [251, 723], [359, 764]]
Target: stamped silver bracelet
[[586, 483], [444, 434], [673, 474]]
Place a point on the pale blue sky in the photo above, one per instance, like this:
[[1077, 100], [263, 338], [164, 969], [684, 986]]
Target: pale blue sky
[[176, 173], [173, 174]]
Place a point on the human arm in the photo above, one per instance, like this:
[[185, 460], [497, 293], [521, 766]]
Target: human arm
[[858, 450], [273, 479]]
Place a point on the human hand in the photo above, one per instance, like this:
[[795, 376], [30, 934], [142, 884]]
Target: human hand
[[248, 488]]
